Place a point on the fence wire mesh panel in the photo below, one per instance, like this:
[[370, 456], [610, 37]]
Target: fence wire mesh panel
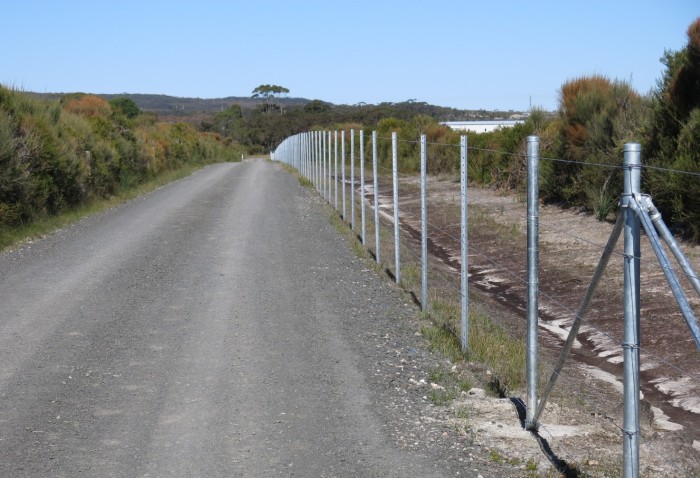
[[615, 342]]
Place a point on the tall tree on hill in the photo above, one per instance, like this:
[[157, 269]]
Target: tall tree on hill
[[269, 93]]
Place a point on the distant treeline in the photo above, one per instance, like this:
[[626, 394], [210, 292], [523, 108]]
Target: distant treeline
[[55, 154], [264, 127]]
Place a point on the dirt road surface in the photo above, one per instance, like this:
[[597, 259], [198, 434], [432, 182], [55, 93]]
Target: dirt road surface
[[216, 327]]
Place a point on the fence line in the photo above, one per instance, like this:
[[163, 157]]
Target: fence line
[[307, 152], [692, 276], [589, 390], [561, 160], [555, 301]]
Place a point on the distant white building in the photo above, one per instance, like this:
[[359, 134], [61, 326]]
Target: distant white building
[[481, 126]]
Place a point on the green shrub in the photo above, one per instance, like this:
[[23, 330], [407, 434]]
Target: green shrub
[[59, 154], [596, 118], [674, 138]]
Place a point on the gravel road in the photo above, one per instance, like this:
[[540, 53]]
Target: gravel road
[[218, 326]]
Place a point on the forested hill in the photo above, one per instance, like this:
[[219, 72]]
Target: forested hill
[[168, 107], [172, 105]]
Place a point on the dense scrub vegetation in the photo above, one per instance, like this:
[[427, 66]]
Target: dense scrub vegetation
[[674, 136], [55, 154], [596, 118], [262, 128]]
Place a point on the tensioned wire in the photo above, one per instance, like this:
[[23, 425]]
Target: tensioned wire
[[545, 158], [652, 263], [554, 300], [643, 260]]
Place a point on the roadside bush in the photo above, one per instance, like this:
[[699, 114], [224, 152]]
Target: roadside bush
[[675, 136], [126, 107], [596, 117], [443, 155], [90, 106], [58, 154]]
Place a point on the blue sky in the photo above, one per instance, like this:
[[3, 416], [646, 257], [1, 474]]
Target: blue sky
[[464, 54]]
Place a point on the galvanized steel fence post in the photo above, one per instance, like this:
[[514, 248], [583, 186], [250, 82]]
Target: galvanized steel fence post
[[352, 179], [335, 147], [306, 155], [303, 155], [666, 235], [533, 158], [375, 179], [362, 187], [397, 230], [464, 241], [322, 159], [424, 224], [642, 208], [342, 155], [330, 167], [323, 163], [317, 175], [317, 156], [630, 346]]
